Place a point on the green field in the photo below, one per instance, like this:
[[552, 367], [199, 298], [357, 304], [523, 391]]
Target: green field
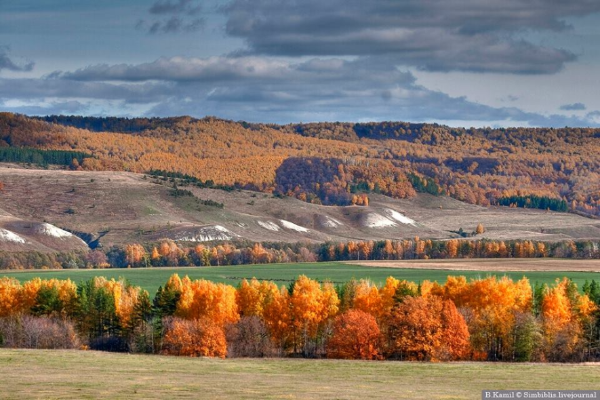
[[150, 279], [87, 374]]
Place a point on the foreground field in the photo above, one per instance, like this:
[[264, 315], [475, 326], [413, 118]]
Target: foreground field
[[87, 374], [150, 279]]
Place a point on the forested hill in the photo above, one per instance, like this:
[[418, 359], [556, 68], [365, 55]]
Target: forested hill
[[345, 131], [338, 163]]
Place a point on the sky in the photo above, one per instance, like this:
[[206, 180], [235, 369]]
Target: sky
[[454, 62]]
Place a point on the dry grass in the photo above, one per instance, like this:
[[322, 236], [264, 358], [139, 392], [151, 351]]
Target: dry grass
[[87, 374], [492, 265], [134, 209]]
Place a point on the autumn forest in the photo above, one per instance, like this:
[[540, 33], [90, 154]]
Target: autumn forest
[[328, 163], [484, 319]]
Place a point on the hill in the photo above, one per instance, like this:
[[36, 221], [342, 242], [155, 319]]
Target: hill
[[329, 163], [110, 207]]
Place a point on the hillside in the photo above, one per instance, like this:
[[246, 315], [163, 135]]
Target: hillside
[[329, 163], [109, 207]]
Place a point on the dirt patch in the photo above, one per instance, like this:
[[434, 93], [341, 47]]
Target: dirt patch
[[496, 265]]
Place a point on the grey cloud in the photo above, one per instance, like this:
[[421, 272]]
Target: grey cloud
[[180, 7], [593, 115], [173, 17], [573, 107], [267, 90], [7, 63], [183, 69], [41, 89], [249, 69], [171, 25], [437, 35], [53, 108]]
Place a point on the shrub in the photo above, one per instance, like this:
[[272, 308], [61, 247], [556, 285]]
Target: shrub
[[249, 337], [38, 333]]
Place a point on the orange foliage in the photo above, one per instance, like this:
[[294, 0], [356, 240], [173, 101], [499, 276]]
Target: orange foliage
[[134, 254], [10, 297], [253, 296], [367, 299], [205, 299], [473, 165], [564, 311], [355, 336], [493, 304], [312, 304], [277, 315], [126, 298], [194, 338], [428, 329]]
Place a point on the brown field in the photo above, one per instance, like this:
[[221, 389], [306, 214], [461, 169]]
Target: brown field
[[126, 207], [52, 374], [493, 265]]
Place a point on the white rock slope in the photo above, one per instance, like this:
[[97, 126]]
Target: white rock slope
[[8, 236], [292, 226], [401, 217]]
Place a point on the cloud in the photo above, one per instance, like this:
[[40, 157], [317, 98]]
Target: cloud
[[7, 63], [179, 7], [39, 89], [212, 69], [436, 35], [51, 108], [264, 89], [173, 17], [573, 107], [172, 25]]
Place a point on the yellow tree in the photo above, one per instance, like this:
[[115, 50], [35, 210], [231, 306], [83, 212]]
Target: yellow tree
[[194, 338], [126, 298], [311, 305], [277, 314], [428, 329], [565, 314], [367, 299], [452, 248], [205, 299], [10, 297], [492, 304], [134, 254], [252, 297]]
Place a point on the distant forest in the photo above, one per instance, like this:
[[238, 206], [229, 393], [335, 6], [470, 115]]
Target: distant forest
[[338, 163], [167, 253], [41, 157]]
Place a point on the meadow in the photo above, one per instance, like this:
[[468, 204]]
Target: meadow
[[283, 274], [90, 374]]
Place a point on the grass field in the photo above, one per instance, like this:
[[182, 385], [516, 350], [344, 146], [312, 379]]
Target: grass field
[[283, 274], [88, 374]]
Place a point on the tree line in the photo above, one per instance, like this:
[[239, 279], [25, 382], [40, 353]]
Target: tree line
[[494, 319], [533, 201], [41, 157], [167, 252]]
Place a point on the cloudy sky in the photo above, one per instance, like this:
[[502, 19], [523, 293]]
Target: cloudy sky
[[455, 62]]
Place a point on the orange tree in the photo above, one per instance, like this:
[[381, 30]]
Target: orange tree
[[355, 336]]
